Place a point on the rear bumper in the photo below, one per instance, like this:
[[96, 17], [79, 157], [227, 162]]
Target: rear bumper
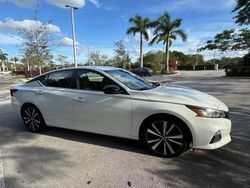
[[15, 106], [206, 128]]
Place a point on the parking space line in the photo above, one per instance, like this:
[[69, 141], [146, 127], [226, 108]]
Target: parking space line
[[2, 184]]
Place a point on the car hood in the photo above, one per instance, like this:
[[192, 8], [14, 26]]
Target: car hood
[[184, 95]]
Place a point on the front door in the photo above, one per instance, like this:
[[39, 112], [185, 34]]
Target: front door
[[98, 112]]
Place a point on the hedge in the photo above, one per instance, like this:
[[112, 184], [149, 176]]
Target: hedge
[[204, 67], [19, 72], [238, 71], [29, 74], [185, 67], [197, 67]]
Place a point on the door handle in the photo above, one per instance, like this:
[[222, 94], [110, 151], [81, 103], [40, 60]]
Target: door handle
[[39, 92], [80, 99]]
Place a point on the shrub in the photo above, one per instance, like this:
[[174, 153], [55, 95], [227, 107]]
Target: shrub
[[134, 65], [197, 67], [204, 67], [156, 68], [185, 67], [238, 71], [245, 60], [18, 72], [241, 69], [200, 67], [172, 65]]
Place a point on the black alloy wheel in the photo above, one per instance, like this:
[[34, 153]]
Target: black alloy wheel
[[165, 137], [32, 118]]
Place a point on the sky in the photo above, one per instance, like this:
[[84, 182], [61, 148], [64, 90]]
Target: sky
[[99, 23]]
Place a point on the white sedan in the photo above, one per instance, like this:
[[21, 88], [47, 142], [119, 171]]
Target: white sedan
[[167, 119]]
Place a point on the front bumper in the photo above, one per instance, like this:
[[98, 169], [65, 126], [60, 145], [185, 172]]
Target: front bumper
[[204, 130]]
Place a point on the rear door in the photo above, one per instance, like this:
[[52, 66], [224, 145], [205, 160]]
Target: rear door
[[55, 99]]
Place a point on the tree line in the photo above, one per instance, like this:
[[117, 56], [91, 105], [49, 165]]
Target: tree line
[[37, 43]]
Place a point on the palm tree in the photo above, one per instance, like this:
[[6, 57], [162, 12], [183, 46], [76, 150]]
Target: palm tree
[[3, 57], [141, 26], [166, 31], [15, 59]]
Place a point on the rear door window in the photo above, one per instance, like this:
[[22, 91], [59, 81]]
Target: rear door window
[[62, 79], [43, 79]]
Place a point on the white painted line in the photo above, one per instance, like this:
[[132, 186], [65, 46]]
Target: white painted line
[[2, 184]]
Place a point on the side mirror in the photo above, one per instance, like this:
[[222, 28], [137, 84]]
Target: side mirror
[[112, 89]]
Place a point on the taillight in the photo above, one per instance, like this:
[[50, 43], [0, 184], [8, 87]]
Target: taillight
[[12, 91]]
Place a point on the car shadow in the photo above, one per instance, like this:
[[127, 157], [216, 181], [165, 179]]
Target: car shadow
[[27, 161], [12, 123], [97, 139]]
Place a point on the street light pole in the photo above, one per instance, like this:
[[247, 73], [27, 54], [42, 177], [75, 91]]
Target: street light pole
[[73, 32]]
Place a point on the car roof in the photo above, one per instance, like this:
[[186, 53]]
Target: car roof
[[102, 68]]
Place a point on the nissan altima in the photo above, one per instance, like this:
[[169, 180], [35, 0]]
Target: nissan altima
[[167, 119]]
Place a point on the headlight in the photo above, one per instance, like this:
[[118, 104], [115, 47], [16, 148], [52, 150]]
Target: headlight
[[208, 112]]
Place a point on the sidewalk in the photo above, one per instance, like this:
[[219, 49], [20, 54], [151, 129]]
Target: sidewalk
[[7, 80], [159, 78]]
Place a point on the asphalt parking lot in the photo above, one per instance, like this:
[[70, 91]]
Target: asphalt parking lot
[[64, 158]]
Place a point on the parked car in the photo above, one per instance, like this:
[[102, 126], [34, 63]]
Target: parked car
[[143, 71], [167, 119]]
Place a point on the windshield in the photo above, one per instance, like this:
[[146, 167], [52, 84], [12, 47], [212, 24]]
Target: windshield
[[130, 80]]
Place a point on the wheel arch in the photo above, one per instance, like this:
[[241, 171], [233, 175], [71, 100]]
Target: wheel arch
[[187, 129], [42, 124], [30, 103]]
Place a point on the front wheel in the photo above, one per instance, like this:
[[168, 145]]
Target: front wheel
[[165, 137], [32, 118]]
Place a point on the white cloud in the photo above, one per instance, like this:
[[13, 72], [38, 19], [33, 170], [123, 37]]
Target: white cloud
[[150, 35], [12, 25], [73, 3], [126, 39], [96, 3], [6, 39], [22, 3], [99, 5], [59, 3], [67, 42], [135, 50], [65, 48]]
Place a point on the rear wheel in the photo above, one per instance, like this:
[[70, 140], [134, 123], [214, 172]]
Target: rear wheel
[[165, 137], [32, 118]]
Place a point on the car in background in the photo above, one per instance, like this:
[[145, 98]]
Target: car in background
[[167, 119], [143, 71]]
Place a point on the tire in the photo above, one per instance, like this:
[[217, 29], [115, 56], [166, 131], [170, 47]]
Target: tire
[[165, 137], [32, 118]]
